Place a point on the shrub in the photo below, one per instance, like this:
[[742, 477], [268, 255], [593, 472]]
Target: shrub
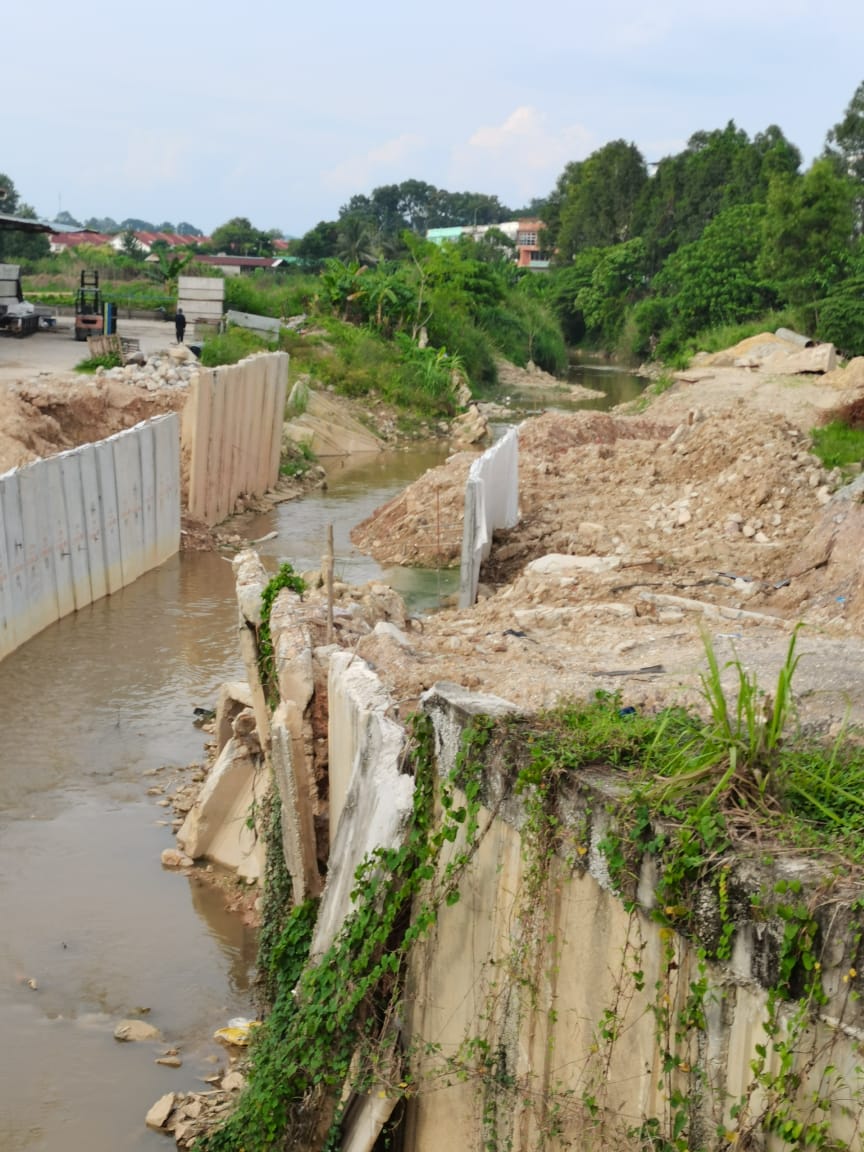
[[232, 346]]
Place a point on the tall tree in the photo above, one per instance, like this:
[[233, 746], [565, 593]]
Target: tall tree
[[319, 243], [808, 232], [715, 279], [716, 170], [15, 246], [598, 207], [237, 237], [844, 147]]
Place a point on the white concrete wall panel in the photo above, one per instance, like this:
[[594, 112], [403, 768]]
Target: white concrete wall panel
[[91, 499], [73, 497], [104, 452], [491, 501], [12, 531], [53, 507], [166, 443], [7, 587], [41, 605], [127, 472], [148, 497], [82, 524], [234, 435]]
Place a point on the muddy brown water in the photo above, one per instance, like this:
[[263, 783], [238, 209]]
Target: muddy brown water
[[91, 706]]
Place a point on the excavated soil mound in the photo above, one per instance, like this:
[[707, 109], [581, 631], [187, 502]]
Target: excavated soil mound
[[422, 526], [42, 419]]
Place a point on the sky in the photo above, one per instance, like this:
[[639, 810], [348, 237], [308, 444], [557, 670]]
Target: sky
[[280, 111]]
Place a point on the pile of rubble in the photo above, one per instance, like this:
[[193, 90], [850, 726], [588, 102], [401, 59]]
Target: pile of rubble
[[173, 368]]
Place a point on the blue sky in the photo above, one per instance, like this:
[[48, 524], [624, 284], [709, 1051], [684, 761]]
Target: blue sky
[[281, 112]]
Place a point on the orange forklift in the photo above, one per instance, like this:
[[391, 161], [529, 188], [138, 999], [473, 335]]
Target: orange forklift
[[89, 319]]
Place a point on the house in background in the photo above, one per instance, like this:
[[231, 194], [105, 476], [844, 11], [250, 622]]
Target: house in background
[[66, 241], [529, 235], [146, 240], [235, 265], [525, 235]]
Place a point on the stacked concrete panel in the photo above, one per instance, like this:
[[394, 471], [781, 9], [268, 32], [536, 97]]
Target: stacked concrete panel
[[232, 430], [202, 298], [491, 501], [83, 524], [9, 285]]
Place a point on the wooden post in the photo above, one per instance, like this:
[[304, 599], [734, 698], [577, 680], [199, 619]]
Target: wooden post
[[328, 579]]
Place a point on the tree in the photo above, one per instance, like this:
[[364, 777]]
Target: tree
[[598, 207], [319, 243], [239, 238], [844, 147], [716, 279], [618, 280], [16, 246], [130, 246], [132, 224], [105, 224], [355, 240], [807, 237], [67, 219], [186, 229], [168, 268], [716, 170]]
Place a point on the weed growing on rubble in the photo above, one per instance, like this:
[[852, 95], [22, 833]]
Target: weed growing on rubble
[[286, 577], [109, 360]]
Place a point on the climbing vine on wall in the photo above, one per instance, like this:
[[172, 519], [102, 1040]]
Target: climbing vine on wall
[[337, 1013], [286, 577]]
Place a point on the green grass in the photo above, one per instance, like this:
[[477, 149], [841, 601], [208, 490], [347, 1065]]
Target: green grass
[[232, 346], [110, 360], [728, 335], [741, 754], [297, 459], [836, 444]]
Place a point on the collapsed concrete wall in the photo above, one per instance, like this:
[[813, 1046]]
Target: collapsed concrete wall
[[491, 501], [547, 1010], [372, 803], [232, 433], [85, 523]]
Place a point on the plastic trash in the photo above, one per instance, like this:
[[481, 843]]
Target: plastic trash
[[238, 1032]]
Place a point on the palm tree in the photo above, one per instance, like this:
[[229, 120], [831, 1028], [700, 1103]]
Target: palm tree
[[355, 241]]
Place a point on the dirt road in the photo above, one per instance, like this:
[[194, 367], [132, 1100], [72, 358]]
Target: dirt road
[[57, 350]]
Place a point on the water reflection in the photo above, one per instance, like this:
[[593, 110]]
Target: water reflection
[[614, 385], [356, 486]]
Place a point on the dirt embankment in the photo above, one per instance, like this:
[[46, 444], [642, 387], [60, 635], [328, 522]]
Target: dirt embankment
[[637, 532], [54, 414]]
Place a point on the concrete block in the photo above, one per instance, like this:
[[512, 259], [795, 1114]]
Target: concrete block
[[217, 826], [378, 806]]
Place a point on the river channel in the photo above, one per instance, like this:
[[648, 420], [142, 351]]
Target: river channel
[[94, 707]]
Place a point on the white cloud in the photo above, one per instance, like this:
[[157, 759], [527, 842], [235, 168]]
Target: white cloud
[[523, 153], [360, 173]]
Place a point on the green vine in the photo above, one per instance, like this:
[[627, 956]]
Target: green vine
[[338, 1013], [286, 577]]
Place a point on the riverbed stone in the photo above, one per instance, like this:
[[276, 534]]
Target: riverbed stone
[[160, 1111], [135, 1030]]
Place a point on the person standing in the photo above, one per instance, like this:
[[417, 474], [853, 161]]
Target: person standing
[[179, 325]]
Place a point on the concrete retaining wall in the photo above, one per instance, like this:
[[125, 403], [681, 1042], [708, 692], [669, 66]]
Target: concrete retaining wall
[[232, 433], [81, 525], [507, 1008], [491, 501]]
